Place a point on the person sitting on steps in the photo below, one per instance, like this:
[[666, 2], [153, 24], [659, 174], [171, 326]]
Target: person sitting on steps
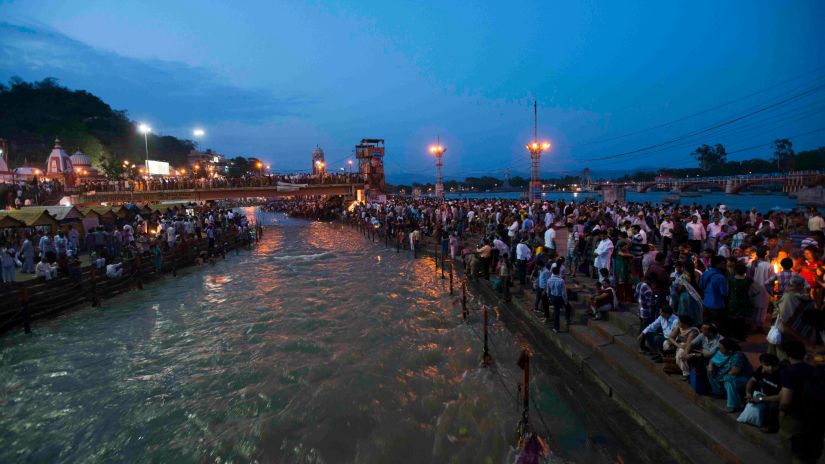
[[655, 334]]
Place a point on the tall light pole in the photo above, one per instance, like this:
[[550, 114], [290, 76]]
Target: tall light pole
[[535, 148], [349, 162], [438, 150], [145, 129]]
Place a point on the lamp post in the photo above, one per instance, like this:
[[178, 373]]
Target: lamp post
[[320, 165], [349, 162], [260, 167], [438, 150], [535, 148], [145, 129]]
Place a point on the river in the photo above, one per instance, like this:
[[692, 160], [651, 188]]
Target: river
[[317, 346]]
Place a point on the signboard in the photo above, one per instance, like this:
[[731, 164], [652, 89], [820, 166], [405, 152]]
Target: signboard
[[157, 168]]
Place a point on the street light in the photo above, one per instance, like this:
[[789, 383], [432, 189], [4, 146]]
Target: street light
[[438, 150], [145, 129], [349, 162], [535, 148], [198, 132], [320, 165]]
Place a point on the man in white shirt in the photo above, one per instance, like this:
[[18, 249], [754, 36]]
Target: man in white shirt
[[523, 254], [170, 235], [548, 219], [603, 252], [550, 238], [499, 245], [666, 230], [715, 228], [816, 223], [655, 334], [44, 270], [696, 234]]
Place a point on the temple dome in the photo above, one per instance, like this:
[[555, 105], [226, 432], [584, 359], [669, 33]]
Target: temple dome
[[59, 162], [80, 160]]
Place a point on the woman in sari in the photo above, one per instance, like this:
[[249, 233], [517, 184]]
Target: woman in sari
[[689, 299], [622, 272], [728, 372]]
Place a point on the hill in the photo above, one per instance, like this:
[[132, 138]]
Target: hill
[[32, 114]]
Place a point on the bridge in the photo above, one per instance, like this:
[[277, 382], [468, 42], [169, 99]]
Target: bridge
[[790, 181], [281, 190]]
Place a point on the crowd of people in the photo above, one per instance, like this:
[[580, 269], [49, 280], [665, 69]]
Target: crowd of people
[[213, 181], [703, 279], [47, 255], [29, 193]]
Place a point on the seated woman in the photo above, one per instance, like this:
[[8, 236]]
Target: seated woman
[[702, 349], [728, 372], [681, 338]]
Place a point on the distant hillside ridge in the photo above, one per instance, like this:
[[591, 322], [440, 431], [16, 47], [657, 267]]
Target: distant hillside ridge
[[33, 114]]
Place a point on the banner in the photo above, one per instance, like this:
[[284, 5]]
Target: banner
[[157, 168]]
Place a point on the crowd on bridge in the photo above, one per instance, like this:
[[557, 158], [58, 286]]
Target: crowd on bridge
[[142, 184], [703, 280]]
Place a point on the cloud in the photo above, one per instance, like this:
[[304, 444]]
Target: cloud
[[183, 94]]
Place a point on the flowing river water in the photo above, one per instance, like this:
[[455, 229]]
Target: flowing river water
[[317, 346]]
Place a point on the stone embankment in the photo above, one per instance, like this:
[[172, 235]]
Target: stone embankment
[[692, 428]]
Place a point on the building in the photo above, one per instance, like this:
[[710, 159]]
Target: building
[[318, 162], [82, 166], [5, 174], [202, 161], [26, 172], [59, 163]]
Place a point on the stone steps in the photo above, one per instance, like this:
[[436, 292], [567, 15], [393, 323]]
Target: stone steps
[[616, 330], [607, 354]]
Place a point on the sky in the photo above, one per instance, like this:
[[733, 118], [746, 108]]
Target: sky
[[620, 85]]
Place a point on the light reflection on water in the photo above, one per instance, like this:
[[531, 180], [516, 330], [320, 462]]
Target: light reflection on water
[[305, 349]]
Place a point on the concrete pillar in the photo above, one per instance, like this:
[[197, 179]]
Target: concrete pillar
[[730, 184]]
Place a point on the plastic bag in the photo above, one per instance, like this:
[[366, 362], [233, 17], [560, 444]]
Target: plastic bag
[[752, 414], [775, 335]]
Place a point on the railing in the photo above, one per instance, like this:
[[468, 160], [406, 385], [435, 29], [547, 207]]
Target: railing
[[186, 183]]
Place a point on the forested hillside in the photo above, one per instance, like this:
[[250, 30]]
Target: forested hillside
[[32, 114]]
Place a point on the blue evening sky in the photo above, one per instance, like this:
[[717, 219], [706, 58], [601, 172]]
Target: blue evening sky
[[274, 78]]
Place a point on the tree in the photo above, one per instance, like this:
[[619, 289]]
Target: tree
[[710, 158], [783, 154], [111, 167], [238, 166], [810, 159]]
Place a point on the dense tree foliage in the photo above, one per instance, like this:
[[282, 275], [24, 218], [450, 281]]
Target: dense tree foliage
[[33, 114], [710, 158]]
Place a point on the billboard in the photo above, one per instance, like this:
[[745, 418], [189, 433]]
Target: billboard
[[157, 168]]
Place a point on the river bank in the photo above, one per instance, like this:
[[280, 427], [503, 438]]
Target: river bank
[[689, 428], [34, 299]]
